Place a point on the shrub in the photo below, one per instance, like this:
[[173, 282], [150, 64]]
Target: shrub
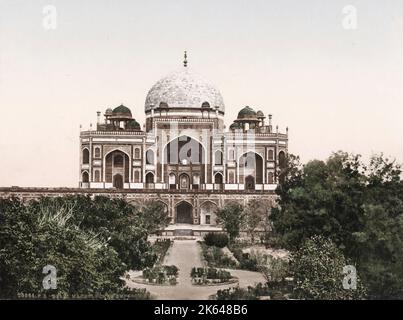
[[209, 275], [161, 274], [171, 270], [235, 293], [216, 258], [249, 293], [219, 240]]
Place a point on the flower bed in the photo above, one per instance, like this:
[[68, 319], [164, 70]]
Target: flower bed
[[211, 276], [159, 275]]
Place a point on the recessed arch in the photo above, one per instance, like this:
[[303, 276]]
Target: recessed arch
[[218, 178], [97, 175], [184, 181], [184, 212], [271, 154], [86, 156], [251, 169], [118, 181], [117, 161], [250, 182], [150, 178], [137, 176], [114, 150], [137, 153], [270, 178], [97, 152], [85, 178], [208, 211]]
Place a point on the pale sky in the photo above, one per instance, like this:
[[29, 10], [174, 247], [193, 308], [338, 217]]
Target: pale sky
[[334, 88]]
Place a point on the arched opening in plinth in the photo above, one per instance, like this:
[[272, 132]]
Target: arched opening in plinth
[[184, 213], [208, 213]]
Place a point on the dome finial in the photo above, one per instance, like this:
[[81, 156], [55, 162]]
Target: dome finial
[[185, 61]]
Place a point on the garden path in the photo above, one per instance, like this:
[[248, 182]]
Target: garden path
[[186, 254]]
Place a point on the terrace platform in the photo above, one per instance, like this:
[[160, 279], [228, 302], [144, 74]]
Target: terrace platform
[[196, 230]]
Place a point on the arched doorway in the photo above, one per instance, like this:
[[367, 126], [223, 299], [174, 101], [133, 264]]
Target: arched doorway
[[184, 213], [85, 177], [150, 177], [118, 181], [149, 180], [250, 183], [218, 181]]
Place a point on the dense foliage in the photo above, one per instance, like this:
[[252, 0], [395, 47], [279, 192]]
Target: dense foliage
[[231, 217], [161, 274], [246, 260], [219, 240], [209, 275], [237, 293], [91, 242], [318, 271], [358, 207], [257, 217], [215, 257]]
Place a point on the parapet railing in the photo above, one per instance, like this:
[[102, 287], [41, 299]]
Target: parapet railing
[[114, 133]]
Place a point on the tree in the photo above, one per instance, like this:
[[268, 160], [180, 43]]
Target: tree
[[321, 198], [31, 240], [123, 226], [91, 242], [359, 207], [256, 212], [318, 272], [231, 217], [380, 238], [154, 217]]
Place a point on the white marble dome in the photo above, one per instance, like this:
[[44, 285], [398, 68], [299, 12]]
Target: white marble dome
[[184, 89]]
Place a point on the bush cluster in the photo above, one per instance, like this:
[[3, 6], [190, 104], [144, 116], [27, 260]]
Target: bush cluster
[[216, 258], [209, 275], [91, 242], [219, 240], [161, 274], [237, 293]]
